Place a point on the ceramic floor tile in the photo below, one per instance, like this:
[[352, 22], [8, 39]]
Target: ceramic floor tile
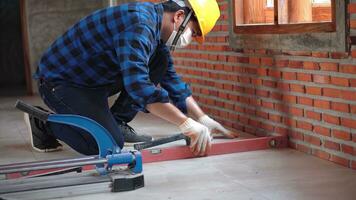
[[238, 176], [14, 151], [262, 175]]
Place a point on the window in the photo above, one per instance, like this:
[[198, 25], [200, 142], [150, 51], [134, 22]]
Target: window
[[326, 32], [283, 16], [321, 1]]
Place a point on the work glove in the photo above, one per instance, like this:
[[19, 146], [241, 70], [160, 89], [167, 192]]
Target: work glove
[[200, 140], [216, 128]]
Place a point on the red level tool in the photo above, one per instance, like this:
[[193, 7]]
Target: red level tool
[[157, 154], [218, 148]]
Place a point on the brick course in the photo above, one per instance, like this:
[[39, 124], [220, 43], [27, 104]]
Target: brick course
[[309, 96]]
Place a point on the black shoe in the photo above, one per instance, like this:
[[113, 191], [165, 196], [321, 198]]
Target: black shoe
[[130, 135], [41, 139]]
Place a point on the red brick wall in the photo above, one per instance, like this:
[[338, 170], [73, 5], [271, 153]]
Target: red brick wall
[[309, 96]]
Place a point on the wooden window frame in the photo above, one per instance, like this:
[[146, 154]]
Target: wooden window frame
[[286, 28], [337, 41], [26, 47]]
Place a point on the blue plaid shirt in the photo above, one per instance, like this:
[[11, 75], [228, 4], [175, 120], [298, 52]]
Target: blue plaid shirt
[[113, 46]]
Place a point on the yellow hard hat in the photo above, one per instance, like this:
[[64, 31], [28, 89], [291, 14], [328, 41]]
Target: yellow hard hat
[[207, 13]]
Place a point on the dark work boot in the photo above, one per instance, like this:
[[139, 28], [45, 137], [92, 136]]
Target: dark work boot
[[130, 135], [41, 138]]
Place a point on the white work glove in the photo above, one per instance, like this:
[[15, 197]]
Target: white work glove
[[200, 140], [216, 128]]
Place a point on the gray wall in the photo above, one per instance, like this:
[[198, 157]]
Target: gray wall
[[48, 19], [118, 2]]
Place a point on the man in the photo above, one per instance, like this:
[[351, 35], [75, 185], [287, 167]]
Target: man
[[124, 49]]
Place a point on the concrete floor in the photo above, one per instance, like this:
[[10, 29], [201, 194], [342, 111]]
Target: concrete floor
[[269, 174]]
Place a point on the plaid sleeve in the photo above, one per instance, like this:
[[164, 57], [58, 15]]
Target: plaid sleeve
[[177, 89], [134, 47]]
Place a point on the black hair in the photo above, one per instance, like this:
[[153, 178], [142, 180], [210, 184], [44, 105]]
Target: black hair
[[171, 6]]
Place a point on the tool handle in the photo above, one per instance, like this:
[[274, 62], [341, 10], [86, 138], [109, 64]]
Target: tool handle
[[38, 113], [165, 140]]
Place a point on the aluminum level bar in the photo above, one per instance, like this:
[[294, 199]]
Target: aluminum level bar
[[42, 163], [54, 166]]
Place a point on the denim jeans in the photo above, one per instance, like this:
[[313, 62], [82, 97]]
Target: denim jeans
[[93, 103]]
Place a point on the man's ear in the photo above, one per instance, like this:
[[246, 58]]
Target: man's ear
[[179, 15]]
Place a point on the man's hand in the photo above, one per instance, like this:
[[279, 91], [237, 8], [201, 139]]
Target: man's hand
[[215, 127], [200, 140]]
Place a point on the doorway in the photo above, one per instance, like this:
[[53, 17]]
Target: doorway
[[12, 63]]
